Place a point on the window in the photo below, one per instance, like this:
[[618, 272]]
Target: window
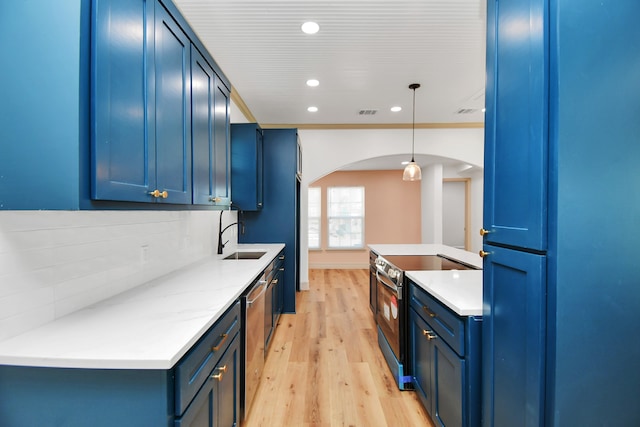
[[315, 210], [345, 211]]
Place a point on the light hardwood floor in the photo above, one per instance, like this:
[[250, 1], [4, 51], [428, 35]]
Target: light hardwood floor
[[324, 367]]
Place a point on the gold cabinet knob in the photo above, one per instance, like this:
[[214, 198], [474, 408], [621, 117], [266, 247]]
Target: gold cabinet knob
[[429, 334], [159, 194], [484, 232], [215, 199], [483, 254], [221, 371]]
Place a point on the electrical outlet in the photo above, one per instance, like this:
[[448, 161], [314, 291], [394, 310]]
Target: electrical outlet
[[144, 254]]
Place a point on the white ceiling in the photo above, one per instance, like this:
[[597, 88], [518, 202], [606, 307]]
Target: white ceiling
[[365, 55]]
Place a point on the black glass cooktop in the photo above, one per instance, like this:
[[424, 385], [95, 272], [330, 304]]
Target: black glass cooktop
[[426, 262]]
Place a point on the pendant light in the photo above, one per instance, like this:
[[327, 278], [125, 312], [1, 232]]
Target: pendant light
[[412, 171]]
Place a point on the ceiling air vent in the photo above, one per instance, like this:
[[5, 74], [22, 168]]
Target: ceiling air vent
[[466, 111], [368, 112]]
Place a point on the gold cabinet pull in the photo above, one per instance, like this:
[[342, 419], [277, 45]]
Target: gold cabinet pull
[[159, 194], [428, 311], [215, 199], [219, 345], [483, 254], [274, 282], [429, 334], [484, 232]]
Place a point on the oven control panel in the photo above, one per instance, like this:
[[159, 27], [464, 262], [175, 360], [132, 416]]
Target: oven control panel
[[389, 270]]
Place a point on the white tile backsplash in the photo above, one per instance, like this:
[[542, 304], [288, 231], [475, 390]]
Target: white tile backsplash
[[53, 263]]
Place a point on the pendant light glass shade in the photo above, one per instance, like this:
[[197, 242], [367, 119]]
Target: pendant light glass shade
[[412, 171]]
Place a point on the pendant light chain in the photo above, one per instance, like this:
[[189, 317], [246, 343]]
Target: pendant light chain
[[413, 131]]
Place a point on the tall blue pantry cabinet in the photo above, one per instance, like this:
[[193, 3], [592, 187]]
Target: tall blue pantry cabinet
[[278, 220], [561, 213]]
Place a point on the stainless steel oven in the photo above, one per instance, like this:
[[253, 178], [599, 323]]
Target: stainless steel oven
[[391, 319]]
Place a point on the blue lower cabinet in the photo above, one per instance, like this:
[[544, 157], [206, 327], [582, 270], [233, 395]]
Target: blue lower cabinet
[[446, 380], [218, 401], [203, 389], [85, 397]]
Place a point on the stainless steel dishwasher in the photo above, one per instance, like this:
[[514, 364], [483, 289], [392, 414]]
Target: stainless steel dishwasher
[[254, 311]]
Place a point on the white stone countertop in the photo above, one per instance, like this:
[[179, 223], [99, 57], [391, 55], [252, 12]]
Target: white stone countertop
[[460, 290], [148, 327]]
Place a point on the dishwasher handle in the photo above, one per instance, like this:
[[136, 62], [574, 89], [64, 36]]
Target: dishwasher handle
[[262, 284]]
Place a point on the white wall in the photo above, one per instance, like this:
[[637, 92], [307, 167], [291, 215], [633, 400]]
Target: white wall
[[55, 262], [325, 151]]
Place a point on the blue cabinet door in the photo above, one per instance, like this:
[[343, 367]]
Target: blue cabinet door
[[172, 61], [421, 358], [247, 166], [222, 143], [513, 332], [227, 409], [203, 128], [448, 384], [516, 123], [123, 104]]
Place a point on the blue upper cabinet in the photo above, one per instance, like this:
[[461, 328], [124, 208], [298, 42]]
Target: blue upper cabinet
[[210, 118], [247, 166], [117, 124], [142, 118], [516, 124]]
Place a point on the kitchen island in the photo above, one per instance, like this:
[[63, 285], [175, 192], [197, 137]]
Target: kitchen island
[[459, 290], [133, 359], [439, 310]]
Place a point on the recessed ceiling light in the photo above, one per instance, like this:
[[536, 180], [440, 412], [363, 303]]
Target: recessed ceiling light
[[313, 82], [312, 109], [396, 109], [406, 162], [310, 27]]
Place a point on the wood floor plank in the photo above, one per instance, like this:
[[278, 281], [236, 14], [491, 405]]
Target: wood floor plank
[[324, 367]]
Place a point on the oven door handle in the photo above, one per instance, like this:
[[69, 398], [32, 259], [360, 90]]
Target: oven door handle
[[396, 289]]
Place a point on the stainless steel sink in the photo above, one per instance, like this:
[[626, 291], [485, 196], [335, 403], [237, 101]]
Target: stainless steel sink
[[245, 255]]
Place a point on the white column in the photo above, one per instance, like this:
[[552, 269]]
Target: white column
[[432, 203]]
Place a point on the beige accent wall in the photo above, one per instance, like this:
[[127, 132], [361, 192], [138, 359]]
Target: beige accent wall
[[392, 215]]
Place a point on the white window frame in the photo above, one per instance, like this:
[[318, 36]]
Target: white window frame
[[343, 214]]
